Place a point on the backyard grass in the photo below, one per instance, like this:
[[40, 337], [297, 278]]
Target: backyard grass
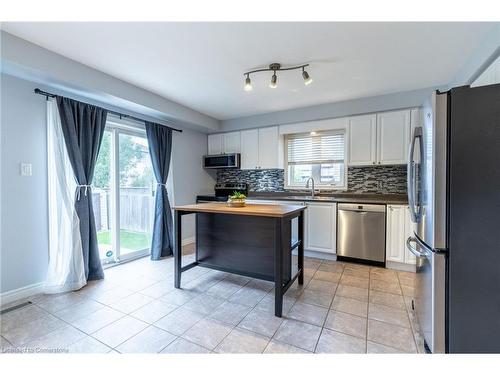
[[128, 239]]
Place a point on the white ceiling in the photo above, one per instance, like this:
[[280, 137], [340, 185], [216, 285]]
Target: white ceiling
[[201, 65]]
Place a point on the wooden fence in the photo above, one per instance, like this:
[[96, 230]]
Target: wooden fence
[[136, 209]]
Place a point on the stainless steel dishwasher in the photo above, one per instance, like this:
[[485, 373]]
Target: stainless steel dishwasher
[[361, 232]]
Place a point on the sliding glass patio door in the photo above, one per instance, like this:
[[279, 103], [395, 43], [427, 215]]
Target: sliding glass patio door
[[123, 195]]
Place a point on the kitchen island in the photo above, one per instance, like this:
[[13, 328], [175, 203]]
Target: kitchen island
[[254, 240]]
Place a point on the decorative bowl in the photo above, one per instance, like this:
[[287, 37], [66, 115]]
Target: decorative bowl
[[231, 202]]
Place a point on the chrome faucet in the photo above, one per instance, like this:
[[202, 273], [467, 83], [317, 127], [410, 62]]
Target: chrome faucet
[[312, 185]]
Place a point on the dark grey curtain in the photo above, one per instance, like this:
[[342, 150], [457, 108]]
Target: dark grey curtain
[[160, 149], [83, 128]]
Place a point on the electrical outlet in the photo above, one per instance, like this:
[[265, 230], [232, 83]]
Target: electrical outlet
[[26, 169]]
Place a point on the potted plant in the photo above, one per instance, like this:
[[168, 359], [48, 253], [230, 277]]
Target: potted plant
[[236, 199]]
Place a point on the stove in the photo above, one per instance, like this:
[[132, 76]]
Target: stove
[[209, 198], [222, 191]]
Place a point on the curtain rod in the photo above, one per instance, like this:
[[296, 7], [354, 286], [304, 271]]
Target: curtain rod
[[121, 115]]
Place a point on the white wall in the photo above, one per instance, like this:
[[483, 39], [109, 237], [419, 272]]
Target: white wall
[[24, 212], [188, 176], [24, 241]]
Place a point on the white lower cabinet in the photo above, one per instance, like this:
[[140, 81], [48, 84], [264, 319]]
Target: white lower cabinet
[[395, 234], [320, 227], [399, 228]]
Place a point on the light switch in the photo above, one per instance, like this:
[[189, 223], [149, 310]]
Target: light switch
[[26, 169]]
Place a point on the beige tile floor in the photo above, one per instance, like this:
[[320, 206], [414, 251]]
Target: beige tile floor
[[341, 308]]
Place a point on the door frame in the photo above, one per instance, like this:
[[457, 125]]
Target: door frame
[[115, 128]]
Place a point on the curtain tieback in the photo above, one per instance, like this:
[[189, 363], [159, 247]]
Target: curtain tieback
[[79, 189], [164, 185]]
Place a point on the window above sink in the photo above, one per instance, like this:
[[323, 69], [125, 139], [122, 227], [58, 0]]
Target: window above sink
[[320, 155]]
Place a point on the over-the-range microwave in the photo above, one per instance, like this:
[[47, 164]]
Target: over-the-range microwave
[[221, 161]]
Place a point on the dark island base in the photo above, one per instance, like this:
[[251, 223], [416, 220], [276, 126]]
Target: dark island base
[[253, 246]]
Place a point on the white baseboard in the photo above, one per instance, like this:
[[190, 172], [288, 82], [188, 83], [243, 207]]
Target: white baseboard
[[188, 241], [400, 266], [320, 255], [317, 255], [20, 293]]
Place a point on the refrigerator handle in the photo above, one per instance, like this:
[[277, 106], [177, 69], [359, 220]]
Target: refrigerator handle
[[414, 250], [417, 133]]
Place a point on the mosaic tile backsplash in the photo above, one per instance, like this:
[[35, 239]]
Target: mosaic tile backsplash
[[383, 179], [380, 179], [257, 179]]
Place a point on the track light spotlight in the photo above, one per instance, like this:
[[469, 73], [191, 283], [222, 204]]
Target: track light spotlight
[[307, 79], [274, 80], [248, 83]]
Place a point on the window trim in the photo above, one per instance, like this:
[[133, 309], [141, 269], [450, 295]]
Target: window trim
[[125, 126], [317, 184]]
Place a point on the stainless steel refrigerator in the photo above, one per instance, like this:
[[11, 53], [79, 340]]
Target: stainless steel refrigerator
[[454, 198]]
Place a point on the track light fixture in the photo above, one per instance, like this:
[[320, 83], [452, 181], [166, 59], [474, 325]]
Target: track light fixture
[[274, 79]]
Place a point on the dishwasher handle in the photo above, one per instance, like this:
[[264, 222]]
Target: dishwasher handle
[[361, 207], [357, 211]]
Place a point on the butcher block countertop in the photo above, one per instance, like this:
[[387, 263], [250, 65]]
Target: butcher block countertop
[[266, 210]]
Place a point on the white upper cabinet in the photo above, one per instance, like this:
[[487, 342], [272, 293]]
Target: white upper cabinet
[[362, 140], [259, 148], [380, 139], [231, 142], [374, 139], [250, 149], [320, 227], [215, 144], [225, 143], [268, 148], [393, 136]]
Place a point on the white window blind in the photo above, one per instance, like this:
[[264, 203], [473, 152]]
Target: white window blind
[[316, 149], [318, 155]]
